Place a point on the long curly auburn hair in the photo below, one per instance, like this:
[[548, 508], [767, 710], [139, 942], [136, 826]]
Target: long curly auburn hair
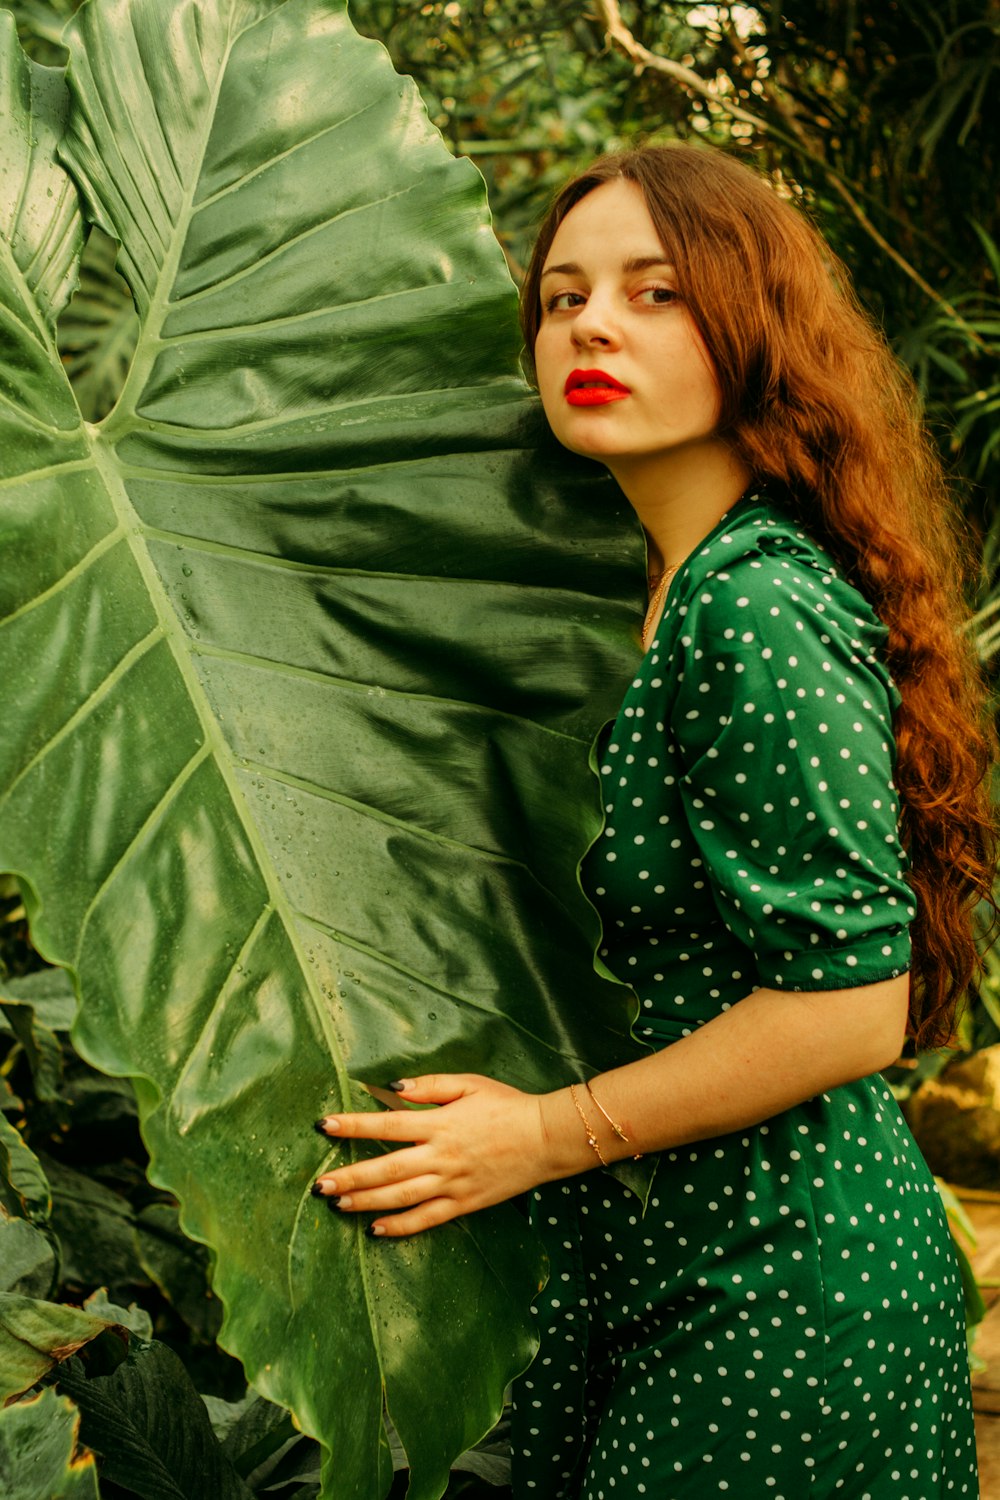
[[815, 404]]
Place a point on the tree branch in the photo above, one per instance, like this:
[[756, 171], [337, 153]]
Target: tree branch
[[618, 34]]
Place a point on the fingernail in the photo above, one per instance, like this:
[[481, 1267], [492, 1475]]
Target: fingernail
[[399, 1084], [317, 1190], [327, 1126], [375, 1231], [320, 1127], [332, 1201]]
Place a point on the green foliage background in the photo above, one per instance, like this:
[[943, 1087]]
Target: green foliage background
[[880, 117]]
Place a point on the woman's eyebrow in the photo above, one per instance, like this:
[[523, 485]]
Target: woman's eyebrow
[[646, 263], [634, 263]]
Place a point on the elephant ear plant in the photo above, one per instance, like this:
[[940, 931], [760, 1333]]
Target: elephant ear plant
[[304, 649]]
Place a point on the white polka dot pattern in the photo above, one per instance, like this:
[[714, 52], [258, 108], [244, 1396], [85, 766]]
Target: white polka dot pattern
[[786, 1319]]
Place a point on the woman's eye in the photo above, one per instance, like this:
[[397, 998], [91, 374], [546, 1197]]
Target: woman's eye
[[658, 296], [563, 301]]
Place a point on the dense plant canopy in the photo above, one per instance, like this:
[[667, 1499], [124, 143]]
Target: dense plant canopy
[[309, 633]]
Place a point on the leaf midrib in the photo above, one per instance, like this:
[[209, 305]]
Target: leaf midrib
[[103, 438], [118, 423]]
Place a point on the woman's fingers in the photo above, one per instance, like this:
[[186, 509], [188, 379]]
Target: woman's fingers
[[381, 1125], [403, 1124], [377, 1171], [437, 1088], [449, 1169], [394, 1195], [426, 1216]]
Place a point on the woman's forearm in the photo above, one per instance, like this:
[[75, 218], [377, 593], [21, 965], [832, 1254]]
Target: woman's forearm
[[491, 1141], [772, 1050]]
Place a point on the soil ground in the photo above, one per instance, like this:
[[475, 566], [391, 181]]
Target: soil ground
[[984, 1211]]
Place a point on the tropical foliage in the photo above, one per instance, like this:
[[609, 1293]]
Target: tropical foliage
[[304, 636], [168, 1413], [280, 567]]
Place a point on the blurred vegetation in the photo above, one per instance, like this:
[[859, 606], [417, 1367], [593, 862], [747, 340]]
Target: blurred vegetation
[[877, 117]]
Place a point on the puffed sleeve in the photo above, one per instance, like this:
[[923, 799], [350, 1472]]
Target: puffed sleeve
[[783, 719]]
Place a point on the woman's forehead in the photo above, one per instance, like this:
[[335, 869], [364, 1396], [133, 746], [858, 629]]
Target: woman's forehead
[[611, 223]]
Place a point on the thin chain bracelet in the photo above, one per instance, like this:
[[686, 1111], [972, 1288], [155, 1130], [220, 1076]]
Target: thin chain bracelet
[[591, 1137], [619, 1132]]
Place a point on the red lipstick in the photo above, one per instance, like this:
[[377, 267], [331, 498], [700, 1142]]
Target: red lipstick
[[593, 388]]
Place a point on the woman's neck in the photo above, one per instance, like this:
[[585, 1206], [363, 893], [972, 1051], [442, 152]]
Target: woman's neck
[[679, 497]]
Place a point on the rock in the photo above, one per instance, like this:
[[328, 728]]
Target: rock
[[956, 1120]]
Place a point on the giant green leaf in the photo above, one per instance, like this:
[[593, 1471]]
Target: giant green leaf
[[310, 639]]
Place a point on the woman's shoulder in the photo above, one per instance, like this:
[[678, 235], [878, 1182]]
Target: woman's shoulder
[[762, 615], [762, 563], [757, 539]]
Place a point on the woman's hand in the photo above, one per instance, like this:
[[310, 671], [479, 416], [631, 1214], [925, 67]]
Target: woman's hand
[[485, 1144]]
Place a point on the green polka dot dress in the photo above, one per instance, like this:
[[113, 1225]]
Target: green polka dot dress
[[785, 1321]]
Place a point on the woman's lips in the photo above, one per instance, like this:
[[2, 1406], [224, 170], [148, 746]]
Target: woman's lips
[[594, 388]]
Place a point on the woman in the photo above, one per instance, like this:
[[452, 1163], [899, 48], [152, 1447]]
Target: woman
[[785, 1319]]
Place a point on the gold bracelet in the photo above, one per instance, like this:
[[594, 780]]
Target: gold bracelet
[[591, 1137], [619, 1132]]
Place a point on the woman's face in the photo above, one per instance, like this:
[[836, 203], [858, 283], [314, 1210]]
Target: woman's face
[[623, 372]]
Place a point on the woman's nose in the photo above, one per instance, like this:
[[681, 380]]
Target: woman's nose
[[595, 326]]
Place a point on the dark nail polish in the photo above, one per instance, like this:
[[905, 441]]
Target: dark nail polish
[[332, 1202], [317, 1191], [397, 1085], [370, 1232], [320, 1127]]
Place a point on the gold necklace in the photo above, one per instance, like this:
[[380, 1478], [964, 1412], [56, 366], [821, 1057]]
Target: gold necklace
[[656, 599]]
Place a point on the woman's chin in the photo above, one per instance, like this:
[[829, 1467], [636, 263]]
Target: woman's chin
[[599, 446]]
